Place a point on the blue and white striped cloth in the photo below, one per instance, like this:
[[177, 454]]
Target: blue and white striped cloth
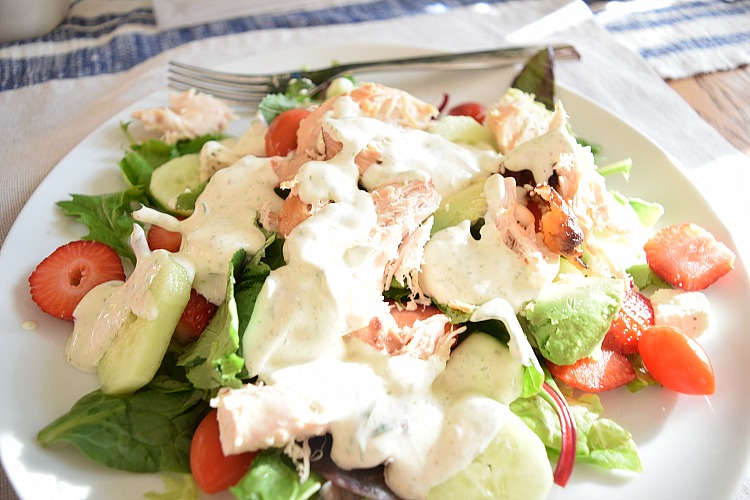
[[681, 38], [110, 36], [677, 38]]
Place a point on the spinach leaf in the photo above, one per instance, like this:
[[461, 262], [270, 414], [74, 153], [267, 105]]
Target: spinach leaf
[[538, 77], [254, 275], [186, 200], [147, 431], [107, 217], [397, 292], [211, 361], [137, 171]]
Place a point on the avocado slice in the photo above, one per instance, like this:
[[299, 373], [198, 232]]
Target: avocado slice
[[571, 316]]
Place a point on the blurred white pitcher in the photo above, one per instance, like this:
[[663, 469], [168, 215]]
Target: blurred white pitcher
[[20, 19]]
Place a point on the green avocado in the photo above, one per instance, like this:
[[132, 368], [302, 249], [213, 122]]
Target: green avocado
[[466, 204], [571, 316]]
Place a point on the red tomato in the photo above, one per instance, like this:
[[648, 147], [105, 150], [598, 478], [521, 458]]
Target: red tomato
[[474, 109], [158, 237], [676, 361], [281, 137], [212, 470]]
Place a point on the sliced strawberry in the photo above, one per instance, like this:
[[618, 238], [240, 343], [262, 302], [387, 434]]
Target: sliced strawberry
[[635, 315], [688, 256], [195, 318], [158, 237], [61, 280], [609, 371]]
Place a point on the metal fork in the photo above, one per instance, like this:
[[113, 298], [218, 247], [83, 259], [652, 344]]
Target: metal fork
[[248, 89]]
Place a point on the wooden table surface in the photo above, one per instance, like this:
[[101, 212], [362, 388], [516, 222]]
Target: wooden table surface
[[723, 100]]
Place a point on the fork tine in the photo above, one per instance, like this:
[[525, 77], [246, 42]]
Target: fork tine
[[219, 76], [245, 90], [235, 97], [217, 83], [217, 87]]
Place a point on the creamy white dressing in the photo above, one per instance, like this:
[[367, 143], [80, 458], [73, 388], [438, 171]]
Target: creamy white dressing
[[519, 345], [541, 154], [216, 155], [223, 222], [87, 344], [407, 154], [459, 268], [381, 408], [378, 408], [107, 307], [451, 167], [329, 285]]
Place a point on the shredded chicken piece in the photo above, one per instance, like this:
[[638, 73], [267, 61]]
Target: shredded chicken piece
[[190, 115], [515, 119], [256, 417], [521, 239], [430, 334], [401, 209], [377, 101]]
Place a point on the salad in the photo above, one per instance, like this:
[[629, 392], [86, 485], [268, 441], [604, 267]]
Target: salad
[[364, 290]]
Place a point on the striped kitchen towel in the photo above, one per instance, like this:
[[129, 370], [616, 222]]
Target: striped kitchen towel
[[681, 38], [109, 36]]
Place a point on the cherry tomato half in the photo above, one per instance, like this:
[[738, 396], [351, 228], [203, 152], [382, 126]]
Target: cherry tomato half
[[281, 136], [474, 109], [212, 470], [676, 361]]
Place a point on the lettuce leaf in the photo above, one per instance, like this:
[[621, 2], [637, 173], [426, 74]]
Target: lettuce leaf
[[273, 476], [297, 95], [601, 441], [176, 487], [157, 152], [107, 217]]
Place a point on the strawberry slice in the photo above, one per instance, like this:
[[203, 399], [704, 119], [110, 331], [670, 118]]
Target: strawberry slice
[[688, 256], [635, 315], [61, 280], [195, 318], [609, 371], [159, 237]]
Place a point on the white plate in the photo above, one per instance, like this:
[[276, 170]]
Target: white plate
[[691, 447]]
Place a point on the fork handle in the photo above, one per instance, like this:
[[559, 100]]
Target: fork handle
[[464, 60]]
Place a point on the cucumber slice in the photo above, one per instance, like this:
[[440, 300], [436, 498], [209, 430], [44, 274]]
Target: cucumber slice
[[514, 465], [464, 130], [174, 178], [139, 346], [481, 364]]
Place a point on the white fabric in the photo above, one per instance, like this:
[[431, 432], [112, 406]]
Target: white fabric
[[178, 13]]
